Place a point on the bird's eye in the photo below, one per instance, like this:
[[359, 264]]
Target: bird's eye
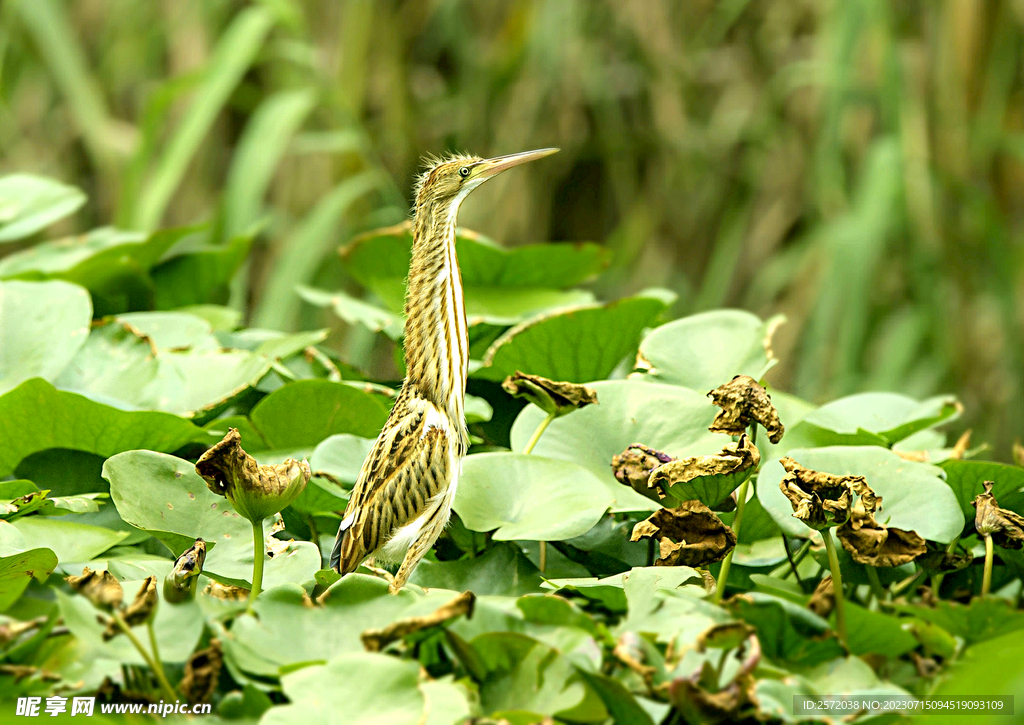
[[464, 172]]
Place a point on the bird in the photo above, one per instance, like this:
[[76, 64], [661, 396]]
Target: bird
[[403, 495]]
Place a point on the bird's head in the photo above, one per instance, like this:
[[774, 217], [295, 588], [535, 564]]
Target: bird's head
[[451, 179]]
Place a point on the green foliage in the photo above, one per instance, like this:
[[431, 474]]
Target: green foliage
[[127, 347]]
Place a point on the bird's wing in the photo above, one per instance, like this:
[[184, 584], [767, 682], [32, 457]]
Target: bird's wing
[[408, 465]]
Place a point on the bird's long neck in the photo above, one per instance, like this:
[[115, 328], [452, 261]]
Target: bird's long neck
[[436, 334]]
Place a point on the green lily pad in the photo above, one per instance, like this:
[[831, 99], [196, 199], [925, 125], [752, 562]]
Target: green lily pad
[[398, 695], [186, 510], [529, 497], [502, 570], [610, 590], [36, 417], [199, 273], [173, 330], [304, 413], [501, 286], [704, 351], [576, 345], [914, 496], [987, 670], [17, 570], [355, 311], [42, 327], [666, 417], [117, 363], [980, 620], [30, 203], [787, 631], [341, 457], [873, 419], [871, 632], [69, 540], [525, 676], [177, 627], [965, 479], [286, 633]]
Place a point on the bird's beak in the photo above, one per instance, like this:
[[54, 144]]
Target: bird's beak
[[487, 168]]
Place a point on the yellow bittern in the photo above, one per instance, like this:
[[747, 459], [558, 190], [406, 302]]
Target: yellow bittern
[[403, 496]]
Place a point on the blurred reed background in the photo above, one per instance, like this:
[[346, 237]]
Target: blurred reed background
[[857, 165]]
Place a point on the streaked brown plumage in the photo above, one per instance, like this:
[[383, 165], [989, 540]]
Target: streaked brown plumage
[[403, 496]]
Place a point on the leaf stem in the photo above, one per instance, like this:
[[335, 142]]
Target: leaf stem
[[538, 433], [258, 557], [876, 584], [986, 580], [794, 561], [723, 575], [837, 584], [543, 560], [154, 664]]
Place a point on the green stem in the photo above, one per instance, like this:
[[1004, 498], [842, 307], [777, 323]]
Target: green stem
[[986, 581], [876, 585], [154, 664], [258, 557], [723, 575], [794, 561], [538, 433], [543, 561], [837, 584]]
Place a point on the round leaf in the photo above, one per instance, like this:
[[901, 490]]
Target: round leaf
[[575, 345], [29, 203], [667, 417], [42, 326], [703, 351], [529, 497], [914, 496], [304, 413]]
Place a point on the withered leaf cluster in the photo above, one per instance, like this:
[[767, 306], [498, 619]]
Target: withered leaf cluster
[[375, 640], [202, 671], [99, 587], [255, 491], [140, 611], [106, 594], [688, 535], [553, 397], [744, 402], [1004, 526], [702, 698], [734, 458], [822, 500], [633, 467], [824, 598], [819, 499], [875, 544]]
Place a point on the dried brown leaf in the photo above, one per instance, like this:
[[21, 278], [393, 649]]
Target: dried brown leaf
[[736, 701], [633, 467], [99, 587], [744, 402], [255, 491], [689, 535], [225, 592], [824, 599], [375, 640], [142, 608], [1004, 526], [552, 396], [875, 544], [733, 458], [822, 500], [202, 672]]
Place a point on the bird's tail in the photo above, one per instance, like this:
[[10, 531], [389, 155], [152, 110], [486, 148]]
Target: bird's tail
[[351, 562]]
